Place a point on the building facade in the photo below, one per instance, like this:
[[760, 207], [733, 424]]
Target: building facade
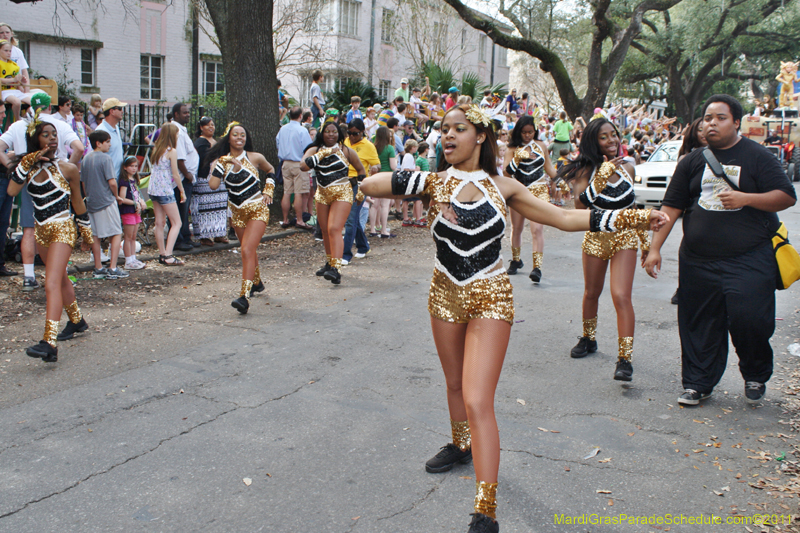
[[157, 51]]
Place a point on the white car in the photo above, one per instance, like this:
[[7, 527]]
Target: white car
[[652, 177]]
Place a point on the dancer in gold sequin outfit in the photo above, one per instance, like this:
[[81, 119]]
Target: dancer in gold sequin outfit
[[603, 181], [528, 161], [470, 300], [54, 186], [235, 164], [331, 160]]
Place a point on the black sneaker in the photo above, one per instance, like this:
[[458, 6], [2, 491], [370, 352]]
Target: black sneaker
[[4, 271], [446, 459], [692, 397], [30, 284], [624, 371], [535, 275], [241, 304], [258, 288], [483, 524], [513, 266], [325, 268], [333, 276], [754, 391], [71, 329], [583, 348], [100, 273], [43, 351], [674, 298]]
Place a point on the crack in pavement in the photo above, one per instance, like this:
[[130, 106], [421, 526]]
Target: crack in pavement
[[154, 448], [417, 502], [571, 461]]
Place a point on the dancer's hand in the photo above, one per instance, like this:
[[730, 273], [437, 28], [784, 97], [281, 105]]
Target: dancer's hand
[[657, 219], [266, 199], [448, 213]]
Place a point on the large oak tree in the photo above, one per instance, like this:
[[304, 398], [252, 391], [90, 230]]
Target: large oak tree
[[614, 26]]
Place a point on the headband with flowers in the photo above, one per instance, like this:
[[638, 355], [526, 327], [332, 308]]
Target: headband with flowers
[[476, 115], [32, 125]]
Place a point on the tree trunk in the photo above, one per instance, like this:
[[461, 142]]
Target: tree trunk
[[244, 29]]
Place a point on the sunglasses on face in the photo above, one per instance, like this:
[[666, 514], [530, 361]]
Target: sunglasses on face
[[353, 133]]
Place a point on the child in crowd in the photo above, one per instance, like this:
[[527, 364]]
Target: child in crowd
[[131, 207], [94, 113], [409, 162], [13, 88], [80, 128], [501, 156], [354, 112], [100, 185]]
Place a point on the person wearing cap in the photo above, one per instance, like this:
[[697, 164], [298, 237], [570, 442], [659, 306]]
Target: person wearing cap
[[13, 139], [452, 98], [112, 110], [403, 90]]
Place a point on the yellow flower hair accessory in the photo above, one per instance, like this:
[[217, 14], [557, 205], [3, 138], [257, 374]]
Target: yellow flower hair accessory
[[476, 115], [230, 127], [34, 122]]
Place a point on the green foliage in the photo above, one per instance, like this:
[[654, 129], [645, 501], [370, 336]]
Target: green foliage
[[216, 101], [442, 78], [340, 98]]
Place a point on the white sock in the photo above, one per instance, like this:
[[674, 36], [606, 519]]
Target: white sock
[[28, 270], [130, 258]]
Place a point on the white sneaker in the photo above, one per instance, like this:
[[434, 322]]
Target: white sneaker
[[103, 257], [134, 265], [345, 262], [359, 255]]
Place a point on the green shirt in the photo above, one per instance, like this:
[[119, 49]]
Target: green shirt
[[384, 156], [422, 163], [562, 129], [402, 92]]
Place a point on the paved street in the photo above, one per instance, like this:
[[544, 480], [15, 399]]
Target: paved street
[[317, 410]]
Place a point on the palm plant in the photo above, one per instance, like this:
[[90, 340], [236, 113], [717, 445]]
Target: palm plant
[[340, 98]]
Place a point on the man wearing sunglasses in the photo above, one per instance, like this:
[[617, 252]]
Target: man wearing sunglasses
[[354, 229]]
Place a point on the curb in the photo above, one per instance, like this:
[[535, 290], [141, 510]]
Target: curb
[[195, 251]]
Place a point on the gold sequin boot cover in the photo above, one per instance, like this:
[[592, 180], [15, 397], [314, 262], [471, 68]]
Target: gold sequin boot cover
[[461, 435], [73, 312], [247, 286], [257, 276], [335, 262], [590, 328], [486, 498], [537, 259], [625, 348], [51, 332], [515, 252]]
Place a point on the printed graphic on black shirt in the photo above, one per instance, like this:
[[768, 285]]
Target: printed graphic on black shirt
[[711, 186]]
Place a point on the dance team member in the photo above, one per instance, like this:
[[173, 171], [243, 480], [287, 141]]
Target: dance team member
[[53, 185], [604, 181], [527, 161], [330, 160], [470, 298], [237, 166]]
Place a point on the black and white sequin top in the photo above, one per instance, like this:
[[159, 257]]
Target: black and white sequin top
[[470, 248], [51, 198], [619, 195], [243, 185], [530, 171], [332, 170]]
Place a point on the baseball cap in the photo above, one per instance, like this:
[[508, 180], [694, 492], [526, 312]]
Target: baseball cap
[[453, 90], [40, 99], [377, 107], [111, 103], [404, 80], [437, 125]]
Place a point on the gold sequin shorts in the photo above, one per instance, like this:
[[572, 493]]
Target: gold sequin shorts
[[482, 298], [240, 216], [60, 231], [605, 245], [540, 191], [334, 193]]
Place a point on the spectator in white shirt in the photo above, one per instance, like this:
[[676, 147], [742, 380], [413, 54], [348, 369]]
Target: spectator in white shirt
[[188, 163]]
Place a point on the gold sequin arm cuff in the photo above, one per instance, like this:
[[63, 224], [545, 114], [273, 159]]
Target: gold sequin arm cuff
[[602, 176], [644, 239], [85, 227], [618, 220], [269, 185], [24, 167]]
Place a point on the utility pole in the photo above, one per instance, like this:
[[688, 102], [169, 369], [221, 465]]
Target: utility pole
[[371, 43]]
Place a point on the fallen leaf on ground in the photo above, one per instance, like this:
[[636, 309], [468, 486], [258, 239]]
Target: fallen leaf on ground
[[592, 453], [606, 460], [603, 491], [520, 401], [247, 481]]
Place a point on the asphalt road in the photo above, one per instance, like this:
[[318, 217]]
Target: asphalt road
[[317, 410]]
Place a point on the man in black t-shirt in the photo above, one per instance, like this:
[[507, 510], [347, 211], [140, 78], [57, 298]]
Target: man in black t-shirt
[[727, 268]]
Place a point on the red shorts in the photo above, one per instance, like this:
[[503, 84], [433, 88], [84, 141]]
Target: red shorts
[[131, 219]]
